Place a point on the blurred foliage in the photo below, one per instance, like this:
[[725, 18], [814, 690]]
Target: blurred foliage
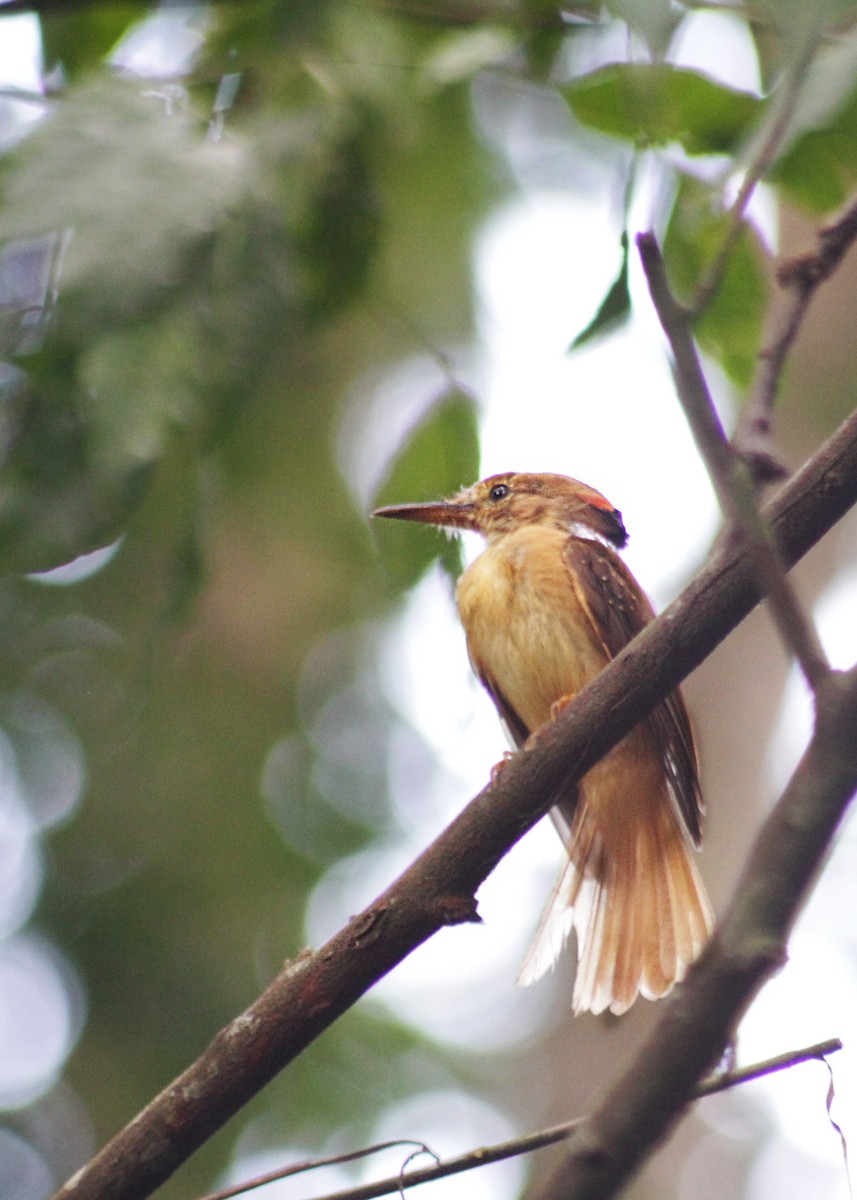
[[730, 327], [441, 456], [614, 309], [820, 169], [81, 40], [654, 104], [197, 276]]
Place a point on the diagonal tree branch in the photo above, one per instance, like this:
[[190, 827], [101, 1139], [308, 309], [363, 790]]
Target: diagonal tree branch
[[728, 473], [747, 947], [799, 278], [768, 143], [439, 887]]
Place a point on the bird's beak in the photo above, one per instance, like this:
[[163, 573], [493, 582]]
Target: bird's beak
[[451, 514]]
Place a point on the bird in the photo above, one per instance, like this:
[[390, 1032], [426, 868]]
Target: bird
[[545, 606]]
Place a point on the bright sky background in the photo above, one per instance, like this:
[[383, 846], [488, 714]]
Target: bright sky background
[[540, 270]]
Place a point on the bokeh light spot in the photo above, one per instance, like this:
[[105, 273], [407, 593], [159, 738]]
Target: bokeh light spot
[[41, 1013]]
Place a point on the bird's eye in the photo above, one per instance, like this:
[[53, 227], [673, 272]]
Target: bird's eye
[[499, 491]]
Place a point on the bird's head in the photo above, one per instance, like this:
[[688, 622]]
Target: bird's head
[[502, 503]]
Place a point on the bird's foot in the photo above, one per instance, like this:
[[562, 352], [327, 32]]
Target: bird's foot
[[558, 706], [499, 767]]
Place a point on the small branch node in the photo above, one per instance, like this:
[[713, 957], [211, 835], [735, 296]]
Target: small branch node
[[762, 464], [368, 927], [457, 910]]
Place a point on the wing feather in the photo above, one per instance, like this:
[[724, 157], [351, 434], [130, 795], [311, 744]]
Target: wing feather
[[618, 610], [516, 731]]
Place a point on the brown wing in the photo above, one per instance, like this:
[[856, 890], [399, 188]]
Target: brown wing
[[619, 610], [516, 730]]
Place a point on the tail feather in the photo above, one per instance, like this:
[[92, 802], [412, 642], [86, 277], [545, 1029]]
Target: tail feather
[[639, 912], [625, 973], [662, 955], [553, 931]]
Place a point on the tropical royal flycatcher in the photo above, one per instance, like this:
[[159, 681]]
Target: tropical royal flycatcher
[[544, 607]]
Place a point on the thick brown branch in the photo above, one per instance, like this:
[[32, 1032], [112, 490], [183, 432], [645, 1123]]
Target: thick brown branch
[[439, 887], [748, 945], [730, 480]]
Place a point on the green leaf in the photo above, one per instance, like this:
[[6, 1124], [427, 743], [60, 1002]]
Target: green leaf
[[652, 104], [614, 308], [339, 233], [139, 386], [456, 57], [440, 456], [817, 166], [79, 41], [137, 185], [819, 171], [730, 327], [160, 289], [55, 503], [655, 21]]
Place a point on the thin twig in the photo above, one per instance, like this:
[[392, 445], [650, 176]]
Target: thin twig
[[697, 1021], [769, 141], [730, 479], [780, 1062], [799, 277], [458, 13], [515, 1147], [438, 888], [333, 1160]]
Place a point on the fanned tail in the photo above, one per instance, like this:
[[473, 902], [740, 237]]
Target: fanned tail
[[632, 894]]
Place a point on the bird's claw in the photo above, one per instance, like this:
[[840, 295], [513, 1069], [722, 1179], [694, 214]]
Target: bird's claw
[[558, 706], [499, 767]]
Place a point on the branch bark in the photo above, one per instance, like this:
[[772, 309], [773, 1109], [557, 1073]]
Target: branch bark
[[748, 945], [728, 475], [439, 887], [799, 279], [768, 142]]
